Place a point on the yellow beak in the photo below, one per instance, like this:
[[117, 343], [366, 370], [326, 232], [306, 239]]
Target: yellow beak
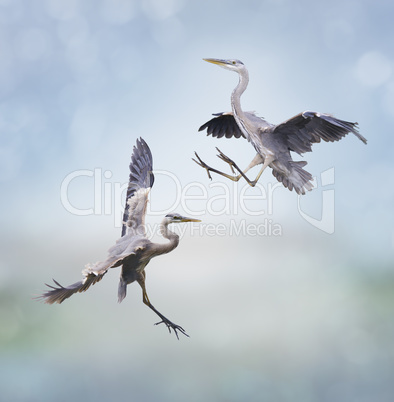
[[219, 62], [190, 220]]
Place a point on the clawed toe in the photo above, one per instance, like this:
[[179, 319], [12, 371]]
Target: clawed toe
[[170, 325], [203, 165], [226, 159], [199, 162]]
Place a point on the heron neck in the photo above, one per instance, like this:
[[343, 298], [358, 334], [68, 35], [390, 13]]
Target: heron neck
[[171, 236], [238, 113]]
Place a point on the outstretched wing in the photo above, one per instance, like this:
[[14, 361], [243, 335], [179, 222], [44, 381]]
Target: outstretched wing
[[140, 182], [91, 275], [125, 249], [60, 293], [307, 128], [224, 125]]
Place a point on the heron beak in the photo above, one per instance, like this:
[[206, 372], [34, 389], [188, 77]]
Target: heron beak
[[190, 220], [219, 62]]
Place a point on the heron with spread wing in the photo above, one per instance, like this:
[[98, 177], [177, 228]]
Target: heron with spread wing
[[272, 143], [133, 250]]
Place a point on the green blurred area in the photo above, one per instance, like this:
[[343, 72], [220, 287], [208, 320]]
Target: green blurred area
[[311, 330]]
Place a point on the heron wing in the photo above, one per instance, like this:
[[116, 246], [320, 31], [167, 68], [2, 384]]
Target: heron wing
[[59, 293], [307, 128], [125, 248], [91, 275], [141, 180], [223, 125]]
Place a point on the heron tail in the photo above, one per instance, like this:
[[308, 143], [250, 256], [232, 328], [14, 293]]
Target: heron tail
[[298, 178], [122, 290]]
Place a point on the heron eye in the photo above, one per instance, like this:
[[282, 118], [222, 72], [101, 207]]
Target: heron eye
[[233, 62]]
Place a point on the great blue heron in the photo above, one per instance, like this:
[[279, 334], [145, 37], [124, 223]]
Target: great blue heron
[[273, 143], [133, 250]]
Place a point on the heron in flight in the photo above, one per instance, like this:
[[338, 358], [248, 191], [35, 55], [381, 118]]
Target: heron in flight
[[133, 250], [272, 143]]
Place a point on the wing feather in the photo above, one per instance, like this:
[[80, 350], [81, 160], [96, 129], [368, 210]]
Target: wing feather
[[223, 125], [91, 275], [60, 293], [125, 249], [307, 128], [141, 179]]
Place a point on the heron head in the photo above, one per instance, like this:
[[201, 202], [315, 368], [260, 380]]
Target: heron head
[[178, 218], [230, 64]]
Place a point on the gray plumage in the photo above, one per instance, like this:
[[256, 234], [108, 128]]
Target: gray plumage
[[141, 175], [273, 143], [133, 250]]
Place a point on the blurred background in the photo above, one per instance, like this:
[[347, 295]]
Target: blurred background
[[284, 298]]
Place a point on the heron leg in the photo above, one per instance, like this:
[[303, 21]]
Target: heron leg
[[210, 169], [258, 159], [170, 325]]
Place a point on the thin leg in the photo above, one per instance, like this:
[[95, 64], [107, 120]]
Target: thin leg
[[233, 166], [170, 325], [209, 169]]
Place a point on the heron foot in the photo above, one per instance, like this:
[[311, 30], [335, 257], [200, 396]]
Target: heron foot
[[203, 164], [234, 167], [170, 325], [226, 159]]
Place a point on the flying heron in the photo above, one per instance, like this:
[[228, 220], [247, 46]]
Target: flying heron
[[133, 250], [272, 143]]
